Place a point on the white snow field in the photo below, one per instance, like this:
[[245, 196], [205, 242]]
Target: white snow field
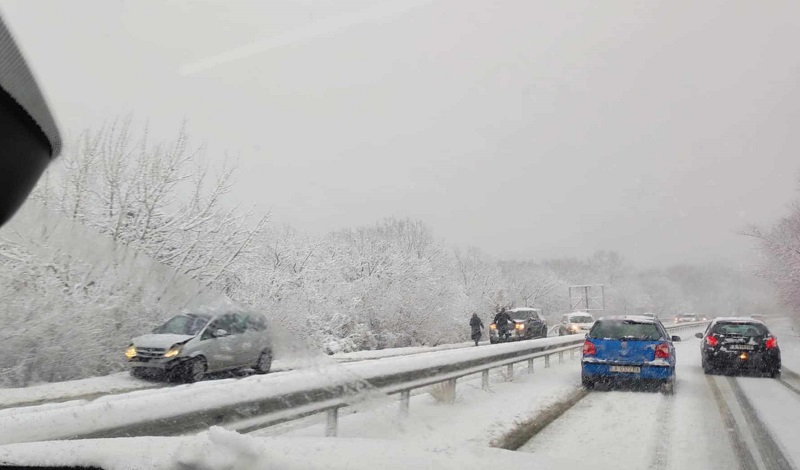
[[218, 449]]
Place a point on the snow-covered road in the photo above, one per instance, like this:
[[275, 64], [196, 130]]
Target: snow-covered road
[[645, 429], [712, 422]]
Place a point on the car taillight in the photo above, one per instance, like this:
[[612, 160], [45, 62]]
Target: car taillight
[[711, 341], [772, 343], [589, 349], [662, 351]]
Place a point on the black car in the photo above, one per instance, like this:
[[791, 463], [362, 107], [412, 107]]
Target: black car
[[529, 322], [734, 344]]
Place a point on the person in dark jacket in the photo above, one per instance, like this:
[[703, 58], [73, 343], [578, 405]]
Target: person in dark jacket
[[477, 325], [502, 320]]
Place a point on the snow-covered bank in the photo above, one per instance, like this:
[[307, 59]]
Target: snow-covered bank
[[477, 417], [124, 410], [90, 388], [218, 449]]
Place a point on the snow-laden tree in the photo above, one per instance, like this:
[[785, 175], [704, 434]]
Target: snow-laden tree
[[73, 298], [155, 197]]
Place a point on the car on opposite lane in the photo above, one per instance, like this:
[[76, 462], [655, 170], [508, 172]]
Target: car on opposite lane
[[190, 345], [575, 323], [632, 348], [690, 317], [527, 323], [737, 344]]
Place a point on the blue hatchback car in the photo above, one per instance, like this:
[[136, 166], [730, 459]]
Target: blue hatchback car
[[629, 347]]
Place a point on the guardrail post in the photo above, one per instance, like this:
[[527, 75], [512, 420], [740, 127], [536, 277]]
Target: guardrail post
[[451, 391], [572, 354], [510, 371], [405, 398], [332, 423], [561, 357], [485, 379], [547, 361], [530, 366]]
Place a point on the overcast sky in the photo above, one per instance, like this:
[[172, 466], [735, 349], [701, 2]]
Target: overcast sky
[[526, 128]]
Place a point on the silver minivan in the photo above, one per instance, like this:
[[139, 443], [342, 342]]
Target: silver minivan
[[190, 345]]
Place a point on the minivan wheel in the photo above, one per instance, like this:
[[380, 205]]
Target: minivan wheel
[[194, 370], [264, 362]]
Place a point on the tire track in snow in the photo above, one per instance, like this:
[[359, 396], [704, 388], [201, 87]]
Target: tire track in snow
[[745, 457], [794, 375], [663, 436], [771, 452]]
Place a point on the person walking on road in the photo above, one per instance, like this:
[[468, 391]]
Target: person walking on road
[[501, 320], [477, 325]]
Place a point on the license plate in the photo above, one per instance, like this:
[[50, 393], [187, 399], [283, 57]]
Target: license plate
[[627, 369], [741, 347]]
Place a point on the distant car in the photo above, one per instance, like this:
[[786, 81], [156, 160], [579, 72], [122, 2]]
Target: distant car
[[575, 323], [528, 323], [758, 317], [629, 348], [736, 343], [689, 317], [190, 345]]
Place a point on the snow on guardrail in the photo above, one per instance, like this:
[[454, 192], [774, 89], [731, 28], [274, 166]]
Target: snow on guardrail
[[288, 396]]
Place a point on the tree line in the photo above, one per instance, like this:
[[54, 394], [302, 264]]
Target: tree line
[[124, 232]]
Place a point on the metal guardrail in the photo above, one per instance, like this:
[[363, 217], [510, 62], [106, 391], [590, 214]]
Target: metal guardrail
[[420, 371]]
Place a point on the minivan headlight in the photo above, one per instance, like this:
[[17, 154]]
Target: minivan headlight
[[173, 351], [130, 353]]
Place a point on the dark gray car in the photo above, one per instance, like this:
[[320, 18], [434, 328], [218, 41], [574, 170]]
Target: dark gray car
[[190, 345]]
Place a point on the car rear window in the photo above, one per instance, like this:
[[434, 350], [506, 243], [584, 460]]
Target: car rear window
[[740, 329], [625, 329]]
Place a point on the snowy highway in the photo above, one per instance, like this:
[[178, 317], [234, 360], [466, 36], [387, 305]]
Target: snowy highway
[[646, 429], [711, 422]]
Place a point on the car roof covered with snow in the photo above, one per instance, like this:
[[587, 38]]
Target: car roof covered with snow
[[735, 320], [579, 314], [637, 318]]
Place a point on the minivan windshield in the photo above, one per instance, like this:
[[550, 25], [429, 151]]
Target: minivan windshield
[[625, 329], [581, 319], [182, 325]]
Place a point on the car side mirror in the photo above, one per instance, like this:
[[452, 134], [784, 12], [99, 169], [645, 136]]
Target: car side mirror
[[220, 333], [29, 137], [676, 339], [698, 335]]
